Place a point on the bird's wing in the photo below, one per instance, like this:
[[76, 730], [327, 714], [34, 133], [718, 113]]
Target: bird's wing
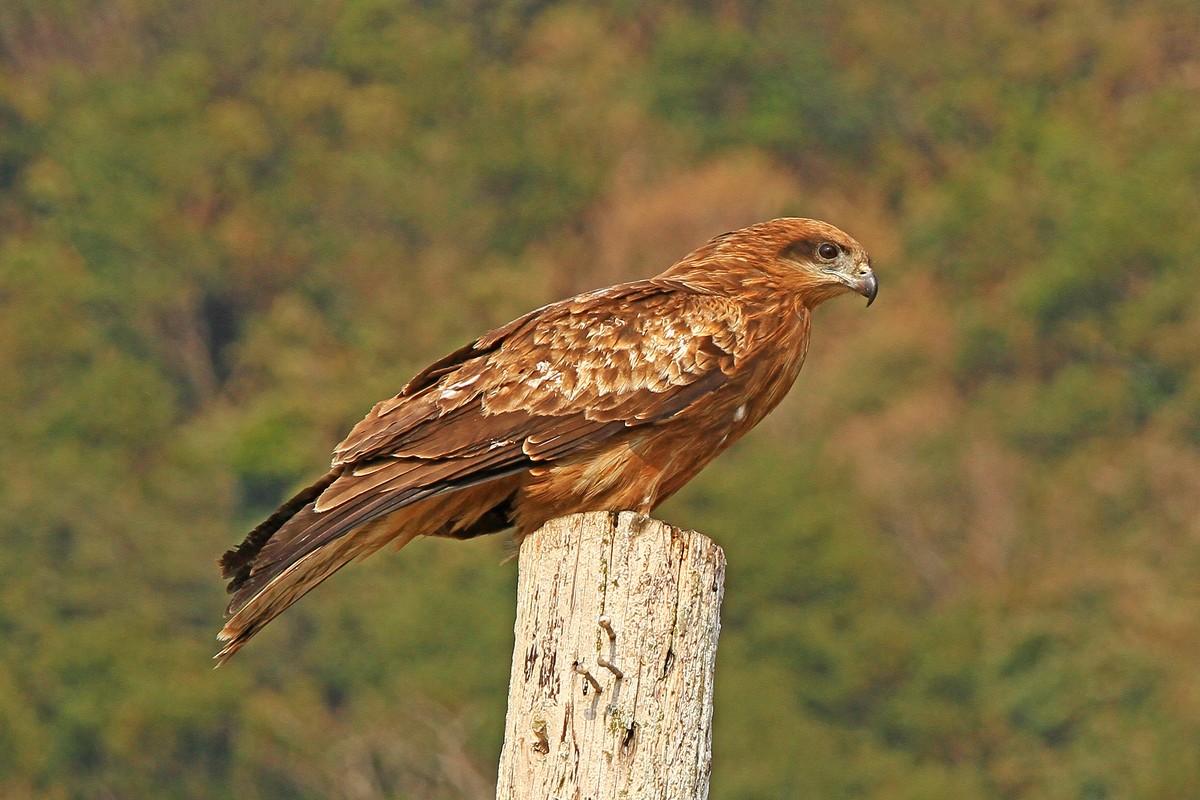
[[621, 354], [560, 381]]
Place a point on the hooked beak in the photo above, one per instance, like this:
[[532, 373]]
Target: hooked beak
[[866, 284]]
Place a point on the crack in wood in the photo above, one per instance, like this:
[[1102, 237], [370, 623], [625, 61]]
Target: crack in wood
[[629, 739], [668, 662]]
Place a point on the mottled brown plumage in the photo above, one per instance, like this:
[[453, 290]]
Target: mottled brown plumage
[[613, 399]]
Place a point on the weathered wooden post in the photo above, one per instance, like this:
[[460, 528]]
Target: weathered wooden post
[[612, 678]]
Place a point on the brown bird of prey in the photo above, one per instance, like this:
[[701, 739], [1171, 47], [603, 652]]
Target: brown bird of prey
[[611, 400]]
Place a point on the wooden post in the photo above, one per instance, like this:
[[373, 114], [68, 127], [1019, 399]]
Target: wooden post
[[612, 677]]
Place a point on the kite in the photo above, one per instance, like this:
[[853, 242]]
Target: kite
[[610, 400]]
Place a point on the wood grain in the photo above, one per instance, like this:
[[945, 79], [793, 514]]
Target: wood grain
[[647, 734]]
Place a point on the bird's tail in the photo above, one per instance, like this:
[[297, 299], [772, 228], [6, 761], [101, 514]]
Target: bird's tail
[[288, 585], [345, 515], [236, 563]]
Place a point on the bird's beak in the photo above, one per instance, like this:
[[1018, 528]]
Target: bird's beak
[[866, 284]]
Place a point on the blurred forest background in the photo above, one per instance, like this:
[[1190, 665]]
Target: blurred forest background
[[963, 554]]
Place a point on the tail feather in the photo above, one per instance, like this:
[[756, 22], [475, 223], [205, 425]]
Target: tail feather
[[308, 531], [292, 583], [236, 563], [272, 570]]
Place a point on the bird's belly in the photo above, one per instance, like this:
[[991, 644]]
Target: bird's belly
[[652, 463]]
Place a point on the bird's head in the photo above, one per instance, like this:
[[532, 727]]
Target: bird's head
[[804, 258], [828, 261]]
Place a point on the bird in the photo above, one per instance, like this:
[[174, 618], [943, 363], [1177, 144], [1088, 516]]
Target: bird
[[609, 400]]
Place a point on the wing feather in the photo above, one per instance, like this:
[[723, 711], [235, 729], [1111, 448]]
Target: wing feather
[[594, 352]]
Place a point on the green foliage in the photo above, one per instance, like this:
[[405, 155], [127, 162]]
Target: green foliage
[[962, 554], [764, 78]]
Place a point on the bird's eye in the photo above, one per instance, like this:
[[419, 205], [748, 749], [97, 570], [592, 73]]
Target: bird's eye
[[828, 251]]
